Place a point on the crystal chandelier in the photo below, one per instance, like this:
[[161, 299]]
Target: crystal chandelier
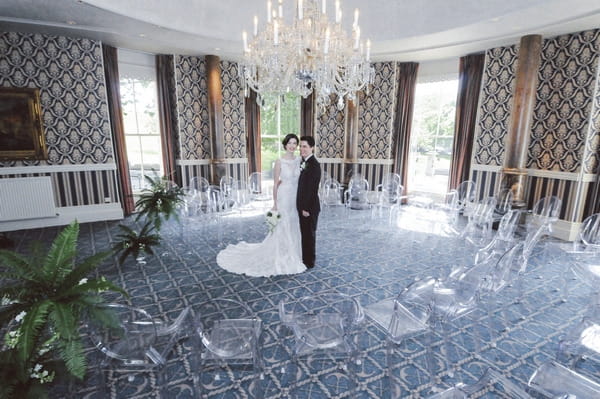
[[310, 55]]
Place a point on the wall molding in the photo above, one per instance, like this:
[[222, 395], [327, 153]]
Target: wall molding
[[572, 176], [192, 162], [486, 168], [65, 215], [376, 161], [330, 160], [24, 170]]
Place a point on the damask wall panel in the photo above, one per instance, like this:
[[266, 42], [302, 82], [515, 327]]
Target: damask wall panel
[[376, 113], [565, 95], [192, 107], [70, 77], [591, 159], [495, 106], [234, 124], [329, 132]]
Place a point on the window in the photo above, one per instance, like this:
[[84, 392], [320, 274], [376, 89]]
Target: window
[[432, 137], [278, 117], [137, 73]]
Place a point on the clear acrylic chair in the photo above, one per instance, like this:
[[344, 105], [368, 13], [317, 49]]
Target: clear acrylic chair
[[504, 237], [589, 235], [545, 213], [323, 327], [134, 345], [356, 195], [503, 204], [466, 195], [556, 381], [259, 190], [479, 226], [491, 384], [227, 336]]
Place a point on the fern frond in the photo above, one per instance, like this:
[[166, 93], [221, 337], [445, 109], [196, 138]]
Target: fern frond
[[84, 268], [19, 265], [59, 260], [31, 327], [63, 320], [71, 351], [93, 285]]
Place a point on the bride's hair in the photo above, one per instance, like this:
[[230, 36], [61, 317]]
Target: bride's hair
[[288, 137]]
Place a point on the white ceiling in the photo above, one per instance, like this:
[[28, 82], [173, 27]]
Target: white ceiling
[[402, 30]]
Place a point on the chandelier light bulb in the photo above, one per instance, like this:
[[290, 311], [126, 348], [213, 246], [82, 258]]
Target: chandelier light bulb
[[324, 7], [255, 26], [269, 7]]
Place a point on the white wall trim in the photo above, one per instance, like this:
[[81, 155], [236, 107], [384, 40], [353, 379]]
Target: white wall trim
[[564, 230], [486, 168], [330, 160], [562, 175], [22, 170], [235, 160], [376, 161], [192, 162], [65, 215]]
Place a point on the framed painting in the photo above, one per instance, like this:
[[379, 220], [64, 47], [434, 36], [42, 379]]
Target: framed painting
[[21, 133]]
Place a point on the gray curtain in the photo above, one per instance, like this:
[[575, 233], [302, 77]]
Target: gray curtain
[[405, 103], [469, 84], [166, 88]]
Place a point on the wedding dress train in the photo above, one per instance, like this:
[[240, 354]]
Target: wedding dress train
[[281, 251]]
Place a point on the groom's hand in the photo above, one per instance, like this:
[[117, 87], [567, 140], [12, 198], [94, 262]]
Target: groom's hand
[[305, 214]]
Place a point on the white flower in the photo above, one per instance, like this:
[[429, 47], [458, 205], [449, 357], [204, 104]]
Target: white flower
[[272, 219], [7, 301], [20, 316], [37, 367], [83, 281]]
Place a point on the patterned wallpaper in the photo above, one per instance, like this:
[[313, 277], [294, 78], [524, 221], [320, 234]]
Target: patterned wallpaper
[[234, 123], [565, 94], [192, 107], [376, 114], [70, 77], [329, 131], [496, 100], [591, 160]]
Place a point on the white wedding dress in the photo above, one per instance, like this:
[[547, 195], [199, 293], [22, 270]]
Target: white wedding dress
[[281, 251]]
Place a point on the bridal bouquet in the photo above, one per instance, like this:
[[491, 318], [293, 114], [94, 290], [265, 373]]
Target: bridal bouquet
[[272, 218]]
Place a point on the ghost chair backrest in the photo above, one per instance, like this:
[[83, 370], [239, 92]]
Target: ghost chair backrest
[[589, 235]]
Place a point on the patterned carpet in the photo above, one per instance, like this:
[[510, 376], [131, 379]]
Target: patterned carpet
[[360, 255]]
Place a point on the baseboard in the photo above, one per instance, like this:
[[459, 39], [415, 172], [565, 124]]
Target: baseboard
[[567, 231], [65, 215]]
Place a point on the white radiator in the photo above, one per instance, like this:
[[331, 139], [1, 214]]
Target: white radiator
[[26, 198]]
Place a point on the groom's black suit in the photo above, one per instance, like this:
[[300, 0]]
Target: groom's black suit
[[307, 199]]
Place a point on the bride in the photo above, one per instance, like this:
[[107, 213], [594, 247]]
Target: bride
[[280, 252]]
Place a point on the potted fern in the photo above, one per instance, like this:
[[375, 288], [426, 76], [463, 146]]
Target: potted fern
[[159, 201], [130, 243], [44, 298]]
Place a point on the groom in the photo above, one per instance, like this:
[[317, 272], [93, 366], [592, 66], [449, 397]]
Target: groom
[[307, 199]]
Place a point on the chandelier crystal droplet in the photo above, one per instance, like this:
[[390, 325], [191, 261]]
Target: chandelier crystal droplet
[[310, 55]]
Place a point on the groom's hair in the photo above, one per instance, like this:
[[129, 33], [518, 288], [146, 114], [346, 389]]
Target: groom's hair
[[310, 140]]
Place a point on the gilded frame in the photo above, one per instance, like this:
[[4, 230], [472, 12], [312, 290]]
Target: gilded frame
[[21, 133]]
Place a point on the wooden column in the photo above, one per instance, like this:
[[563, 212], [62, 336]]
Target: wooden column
[[517, 140], [351, 139], [215, 117]]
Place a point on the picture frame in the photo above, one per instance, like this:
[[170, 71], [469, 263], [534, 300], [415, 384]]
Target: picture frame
[[21, 132]]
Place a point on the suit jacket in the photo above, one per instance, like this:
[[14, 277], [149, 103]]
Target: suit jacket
[[307, 198]]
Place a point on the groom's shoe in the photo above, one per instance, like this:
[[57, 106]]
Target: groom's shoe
[[309, 265]]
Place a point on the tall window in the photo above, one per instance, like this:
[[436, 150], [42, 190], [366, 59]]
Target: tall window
[[137, 73], [279, 116], [432, 136]]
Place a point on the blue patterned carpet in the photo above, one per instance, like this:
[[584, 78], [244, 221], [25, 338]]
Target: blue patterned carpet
[[356, 255]]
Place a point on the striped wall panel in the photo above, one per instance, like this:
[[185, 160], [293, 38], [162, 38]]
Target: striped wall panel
[[238, 170], [540, 187], [487, 183], [81, 188], [374, 173], [188, 172], [335, 170]]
